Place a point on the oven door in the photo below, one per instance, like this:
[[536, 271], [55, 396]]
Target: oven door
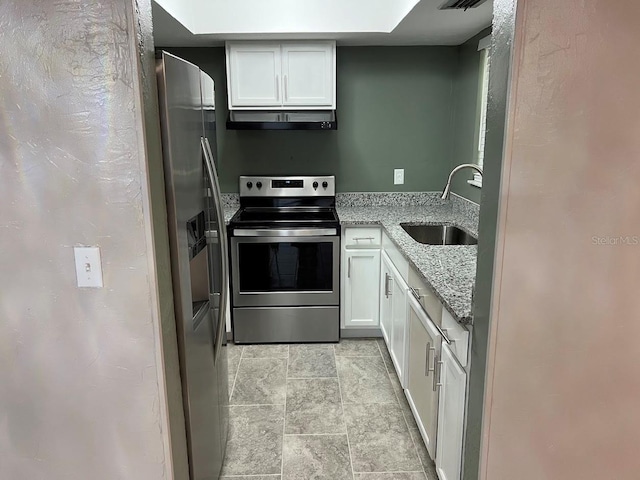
[[285, 267]]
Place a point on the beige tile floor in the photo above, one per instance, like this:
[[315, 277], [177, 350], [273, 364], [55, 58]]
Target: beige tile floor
[[320, 412]]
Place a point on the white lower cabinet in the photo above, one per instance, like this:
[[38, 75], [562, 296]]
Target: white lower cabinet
[[398, 325], [422, 392], [453, 381], [386, 298], [375, 294], [393, 314], [361, 271]]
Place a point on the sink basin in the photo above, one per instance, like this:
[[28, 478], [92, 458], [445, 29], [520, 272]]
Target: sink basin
[[439, 234]]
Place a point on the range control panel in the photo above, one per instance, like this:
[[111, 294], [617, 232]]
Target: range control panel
[[324, 186]]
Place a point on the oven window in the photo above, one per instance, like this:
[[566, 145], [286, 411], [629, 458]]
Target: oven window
[[282, 267]]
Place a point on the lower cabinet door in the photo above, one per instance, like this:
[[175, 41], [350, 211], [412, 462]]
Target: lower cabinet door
[[424, 348], [361, 271], [386, 298], [453, 381], [399, 326]]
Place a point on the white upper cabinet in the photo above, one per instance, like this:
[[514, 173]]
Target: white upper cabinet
[[308, 74], [280, 76], [253, 75]]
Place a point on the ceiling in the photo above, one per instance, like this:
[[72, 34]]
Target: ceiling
[[423, 25]]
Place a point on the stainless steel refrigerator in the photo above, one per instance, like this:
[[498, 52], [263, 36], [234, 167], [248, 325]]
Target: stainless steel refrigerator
[[199, 260]]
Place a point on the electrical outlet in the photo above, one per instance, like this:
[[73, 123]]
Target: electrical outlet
[[398, 176], [88, 266]]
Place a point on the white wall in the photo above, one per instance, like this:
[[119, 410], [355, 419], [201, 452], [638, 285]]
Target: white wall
[[82, 394], [288, 16]]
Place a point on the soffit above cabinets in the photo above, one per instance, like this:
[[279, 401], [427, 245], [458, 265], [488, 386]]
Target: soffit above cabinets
[[355, 22]]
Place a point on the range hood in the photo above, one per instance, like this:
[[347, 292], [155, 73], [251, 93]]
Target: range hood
[[282, 120]]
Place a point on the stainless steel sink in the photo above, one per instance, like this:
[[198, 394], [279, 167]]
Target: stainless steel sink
[[439, 234]]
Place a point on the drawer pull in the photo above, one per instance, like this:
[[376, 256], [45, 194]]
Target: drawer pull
[[428, 369], [437, 375], [416, 293], [357, 239], [446, 331]]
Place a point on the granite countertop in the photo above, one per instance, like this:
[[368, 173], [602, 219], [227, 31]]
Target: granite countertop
[[450, 270], [229, 211]]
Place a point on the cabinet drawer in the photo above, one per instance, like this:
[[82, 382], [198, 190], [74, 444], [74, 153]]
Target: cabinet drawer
[[398, 260], [428, 298], [458, 335], [362, 237]]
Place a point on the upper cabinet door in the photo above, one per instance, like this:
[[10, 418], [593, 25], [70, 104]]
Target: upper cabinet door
[[254, 74], [308, 74]]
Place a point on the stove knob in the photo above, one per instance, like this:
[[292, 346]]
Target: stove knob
[[315, 185], [249, 184], [259, 184], [325, 184]]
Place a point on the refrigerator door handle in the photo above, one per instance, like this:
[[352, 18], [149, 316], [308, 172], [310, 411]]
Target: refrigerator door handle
[[224, 288]]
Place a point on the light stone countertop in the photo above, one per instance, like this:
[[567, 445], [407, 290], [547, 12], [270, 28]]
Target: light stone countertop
[[229, 211], [450, 269]]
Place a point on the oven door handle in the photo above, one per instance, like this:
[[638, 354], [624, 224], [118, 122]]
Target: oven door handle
[[288, 232]]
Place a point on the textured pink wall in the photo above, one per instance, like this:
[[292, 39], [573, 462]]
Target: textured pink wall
[[82, 393], [563, 391]]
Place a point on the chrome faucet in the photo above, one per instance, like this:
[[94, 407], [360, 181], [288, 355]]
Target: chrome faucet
[[447, 188]]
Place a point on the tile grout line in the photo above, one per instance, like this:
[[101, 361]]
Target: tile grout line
[[253, 475], [235, 377], [392, 473], [415, 447], [265, 358], [359, 356], [284, 414], [346, 428]]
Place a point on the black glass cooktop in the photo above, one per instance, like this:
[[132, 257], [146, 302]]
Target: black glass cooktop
[[290, 217]]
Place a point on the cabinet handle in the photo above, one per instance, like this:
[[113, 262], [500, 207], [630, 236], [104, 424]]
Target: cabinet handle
[[278, 88], [437, 375], [386, 284], [427, 368], [286, 88], [349, 268], [426, 360], [446, 331], [357, 239], [416, 293]]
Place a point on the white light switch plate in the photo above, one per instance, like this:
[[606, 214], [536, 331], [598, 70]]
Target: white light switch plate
[[88, 266], [398, 176]]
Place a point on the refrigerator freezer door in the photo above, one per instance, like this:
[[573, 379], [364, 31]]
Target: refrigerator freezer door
[[181, 118]]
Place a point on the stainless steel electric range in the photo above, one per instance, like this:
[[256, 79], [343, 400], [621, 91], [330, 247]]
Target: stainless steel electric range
[[285, 257]]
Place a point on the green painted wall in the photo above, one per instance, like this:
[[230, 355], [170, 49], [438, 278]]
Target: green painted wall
[[395, 108], [466, 114], [504, 25]]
